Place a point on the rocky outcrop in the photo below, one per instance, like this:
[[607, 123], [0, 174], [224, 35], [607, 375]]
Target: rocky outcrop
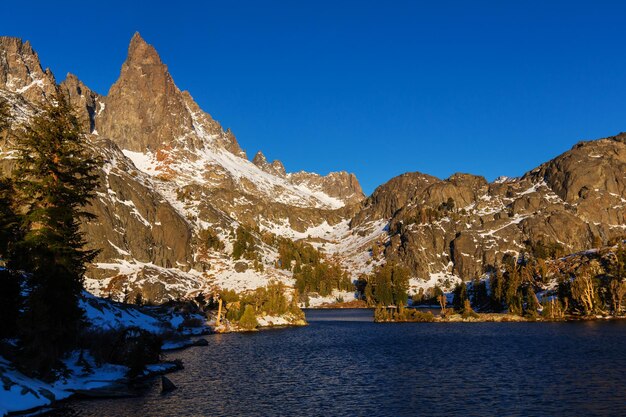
[[276, 167], [170, 173], [144, 109], [341, 185], [85, 102], [391, 196]]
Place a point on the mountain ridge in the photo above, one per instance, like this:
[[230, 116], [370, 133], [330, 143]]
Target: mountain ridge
[[172, 174]]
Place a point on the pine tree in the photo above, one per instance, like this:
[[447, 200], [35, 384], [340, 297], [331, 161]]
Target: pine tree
[[56, 178], [460, 296], [9, 220], [248, 319], [244, 245], [5, 115], [10, 291]]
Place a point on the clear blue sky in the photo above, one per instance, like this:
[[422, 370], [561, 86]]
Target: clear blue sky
[[375, 88]]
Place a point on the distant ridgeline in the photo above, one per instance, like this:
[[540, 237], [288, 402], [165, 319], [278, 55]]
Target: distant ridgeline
[[180, 211]]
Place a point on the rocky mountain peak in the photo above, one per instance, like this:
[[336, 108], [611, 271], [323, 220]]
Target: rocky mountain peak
[[21, 72], [146, 111], [341, 185], [141, 53]]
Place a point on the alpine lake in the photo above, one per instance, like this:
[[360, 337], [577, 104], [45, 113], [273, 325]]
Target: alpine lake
[[343, 364]]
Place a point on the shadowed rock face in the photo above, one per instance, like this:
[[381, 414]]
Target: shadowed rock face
[[133, 221], [85, 101]]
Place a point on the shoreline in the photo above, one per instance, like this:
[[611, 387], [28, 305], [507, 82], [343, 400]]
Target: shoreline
[[505, 318], [123, 387], [118, 387]]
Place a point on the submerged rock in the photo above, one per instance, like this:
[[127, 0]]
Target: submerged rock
[[166, 385]]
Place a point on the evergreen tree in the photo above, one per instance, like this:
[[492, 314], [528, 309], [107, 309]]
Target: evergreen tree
[[10, 302], [9, 220], [513, 291], [244, 246], [10, 291], [5, 115], [56, 178], [248, 319], [460, 296], [388, 285], [10, 232], [496, 283], [532, 303], [480, 298], [400, 282]]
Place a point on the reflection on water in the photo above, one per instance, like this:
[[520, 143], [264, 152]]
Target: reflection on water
[[343, 364], [347, 314]]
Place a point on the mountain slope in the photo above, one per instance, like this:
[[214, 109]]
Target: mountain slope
[[176, 186], [463, 226]]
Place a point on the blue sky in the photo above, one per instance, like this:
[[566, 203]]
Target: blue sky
[[377, 88]]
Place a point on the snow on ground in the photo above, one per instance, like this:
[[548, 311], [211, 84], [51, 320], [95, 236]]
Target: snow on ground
[[443, 280], [283, 228], [20, 392], [353, 245], [268, 321], [178, 280], [205, 160], [106, 315], [23, 393], [224, 275], [316, 301], [516, 220]]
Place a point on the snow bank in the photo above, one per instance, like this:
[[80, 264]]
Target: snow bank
[[316, 301], [107, 315], [22, 393]]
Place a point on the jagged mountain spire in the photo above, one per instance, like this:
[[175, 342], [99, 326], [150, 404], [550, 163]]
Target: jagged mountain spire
[[144, 108]]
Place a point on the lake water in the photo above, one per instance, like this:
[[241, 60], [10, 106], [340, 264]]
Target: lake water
[[343, 364]]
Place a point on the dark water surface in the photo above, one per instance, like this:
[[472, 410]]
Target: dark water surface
[[343, 364]]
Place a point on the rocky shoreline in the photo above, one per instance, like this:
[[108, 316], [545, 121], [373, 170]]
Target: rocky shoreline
[[501, 318]]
